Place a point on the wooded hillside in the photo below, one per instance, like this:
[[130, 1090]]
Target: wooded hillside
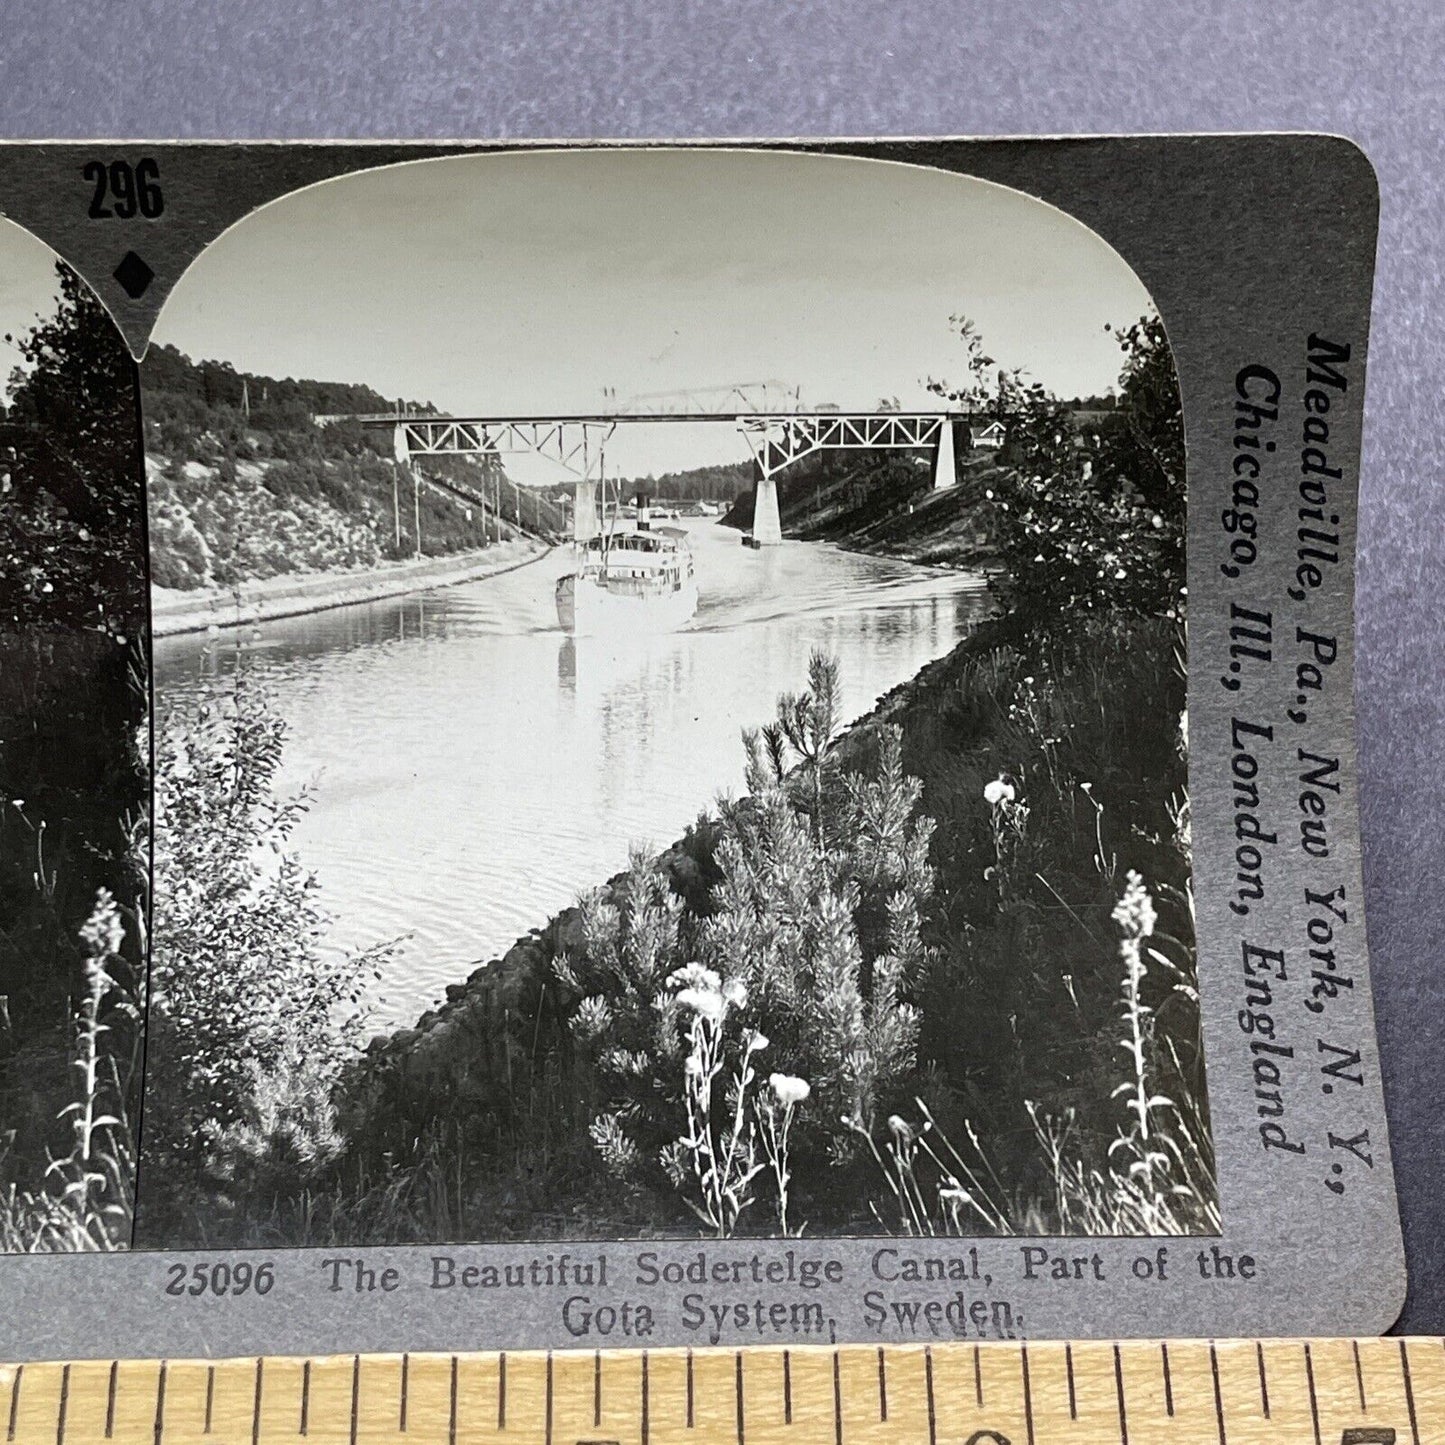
[[247, 479]]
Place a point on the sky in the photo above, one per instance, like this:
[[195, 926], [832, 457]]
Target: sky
[[531, 284], [28, 289]]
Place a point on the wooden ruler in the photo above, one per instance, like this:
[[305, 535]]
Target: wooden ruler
[[1249, 1392]]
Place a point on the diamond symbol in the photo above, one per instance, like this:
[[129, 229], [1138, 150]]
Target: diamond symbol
[[134, 275]]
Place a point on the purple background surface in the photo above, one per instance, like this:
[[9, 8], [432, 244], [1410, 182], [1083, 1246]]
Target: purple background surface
[[736, 68]]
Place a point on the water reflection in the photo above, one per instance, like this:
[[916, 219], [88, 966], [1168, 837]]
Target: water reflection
[[567, 665], [474, 770]]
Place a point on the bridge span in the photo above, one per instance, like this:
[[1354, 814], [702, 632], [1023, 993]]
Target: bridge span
[[578, 444]]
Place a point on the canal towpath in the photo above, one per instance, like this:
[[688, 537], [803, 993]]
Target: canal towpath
[[294, 594]]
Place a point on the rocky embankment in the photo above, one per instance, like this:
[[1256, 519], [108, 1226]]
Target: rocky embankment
[[485, 1051]]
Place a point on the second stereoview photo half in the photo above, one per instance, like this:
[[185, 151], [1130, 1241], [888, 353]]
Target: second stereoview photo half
[[74, 761], [666, 725]]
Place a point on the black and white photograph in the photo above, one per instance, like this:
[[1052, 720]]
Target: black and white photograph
[[669, 716], [74, 769]]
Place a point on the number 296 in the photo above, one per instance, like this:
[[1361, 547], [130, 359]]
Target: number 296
[[122, 191]]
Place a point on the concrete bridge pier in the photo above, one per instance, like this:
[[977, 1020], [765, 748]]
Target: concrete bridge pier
[[945, 472], [586, 524], [767, 525]]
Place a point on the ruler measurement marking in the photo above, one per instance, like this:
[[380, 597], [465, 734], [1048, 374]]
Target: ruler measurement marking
[[160, 1425], [355, 1396], [1409, 1393], [452, 1409], [14, 1400], [64, 1406], [502, 1391], [1314, 1402], [738, 1376], [928, 1383], [86, 1396], [837, 1402], [646, 1400], [1028, 1395], [1219, 1394], [1119, 1391]]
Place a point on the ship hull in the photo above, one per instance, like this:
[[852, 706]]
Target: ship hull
[[587, 608]]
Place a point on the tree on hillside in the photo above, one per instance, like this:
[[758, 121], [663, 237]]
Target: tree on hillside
[[72, 703], [1147, 450], [71, 522], [987, 389], [1087, 522]]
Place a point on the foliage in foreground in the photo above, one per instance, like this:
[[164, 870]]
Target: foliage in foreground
[[816, 1030], [1104, 1075], [249, 1017], [73, 780], [82, 1200], [803, 963]]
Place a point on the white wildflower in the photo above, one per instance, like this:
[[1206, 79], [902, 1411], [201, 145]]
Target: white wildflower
[[789, 1090], [998, 791], [694, 975], [703, 1002]]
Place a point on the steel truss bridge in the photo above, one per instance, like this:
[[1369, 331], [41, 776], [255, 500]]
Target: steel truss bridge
[[578, 443]]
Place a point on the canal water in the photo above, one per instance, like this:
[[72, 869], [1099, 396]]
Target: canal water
[[473, 770]]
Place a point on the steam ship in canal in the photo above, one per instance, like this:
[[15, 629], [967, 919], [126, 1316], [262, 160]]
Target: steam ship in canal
[[635, 580]]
